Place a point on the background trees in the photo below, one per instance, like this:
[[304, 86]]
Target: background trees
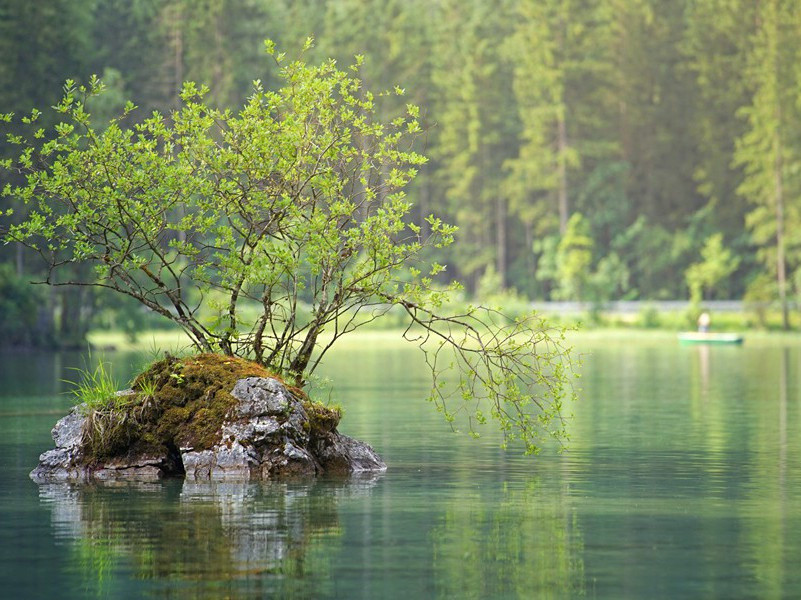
[[661, 123], [768, 150]]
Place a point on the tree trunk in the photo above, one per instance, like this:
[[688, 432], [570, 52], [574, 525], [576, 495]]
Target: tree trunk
[[298, 366], [561, 138], [562, 166], [781, 268], [178, 56], [531, 269], [500, 238], [74, 320], [20, 260]]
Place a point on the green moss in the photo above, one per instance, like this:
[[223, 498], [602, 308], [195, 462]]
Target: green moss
[[185, 404], [322, 419], [180, 403]]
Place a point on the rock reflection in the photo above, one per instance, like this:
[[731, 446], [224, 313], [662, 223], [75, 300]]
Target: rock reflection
[[200, 539]]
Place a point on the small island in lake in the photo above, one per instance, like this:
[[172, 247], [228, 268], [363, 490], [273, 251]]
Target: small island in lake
[[205, 417]]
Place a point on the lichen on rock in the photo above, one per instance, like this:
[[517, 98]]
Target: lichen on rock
[[205, 417]]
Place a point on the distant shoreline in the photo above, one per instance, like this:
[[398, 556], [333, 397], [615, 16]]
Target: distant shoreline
[[176, 342]]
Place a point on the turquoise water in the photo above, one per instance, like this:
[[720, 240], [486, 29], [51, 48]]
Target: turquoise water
[[683, 480]]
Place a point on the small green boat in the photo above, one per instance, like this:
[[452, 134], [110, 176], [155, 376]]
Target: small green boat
[[697, 337]]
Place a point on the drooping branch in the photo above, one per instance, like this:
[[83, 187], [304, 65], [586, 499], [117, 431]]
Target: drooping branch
[[516, 371]]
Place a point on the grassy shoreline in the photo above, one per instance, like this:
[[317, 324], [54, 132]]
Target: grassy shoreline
[[177, 342]]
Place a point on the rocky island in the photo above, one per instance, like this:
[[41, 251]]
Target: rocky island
[[207, 417]]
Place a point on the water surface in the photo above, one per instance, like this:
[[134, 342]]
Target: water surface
[[683, 479]]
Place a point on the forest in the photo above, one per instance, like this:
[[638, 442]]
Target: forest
[[589, 150]]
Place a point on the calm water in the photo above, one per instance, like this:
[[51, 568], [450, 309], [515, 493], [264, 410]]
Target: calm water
[[683, 480]]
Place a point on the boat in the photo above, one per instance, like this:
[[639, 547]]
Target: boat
[[708, 337]]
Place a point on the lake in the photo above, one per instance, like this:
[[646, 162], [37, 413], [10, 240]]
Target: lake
[[682, 480]]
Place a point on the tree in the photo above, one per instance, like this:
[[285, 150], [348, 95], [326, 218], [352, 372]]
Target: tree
[[477, 126], [260, 231], [717, 38], [768, 151], [540, 167], [717, 264], [656, 96], [574, 258]]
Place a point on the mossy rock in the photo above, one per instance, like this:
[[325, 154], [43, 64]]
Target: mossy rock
[[322, 419], [183, 403], [206, 417]]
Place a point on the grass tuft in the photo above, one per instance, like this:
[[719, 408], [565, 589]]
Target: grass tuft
[[96, 389]]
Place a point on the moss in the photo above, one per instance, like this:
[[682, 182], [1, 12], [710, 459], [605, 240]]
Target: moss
[[322, 419], [186, 403], [182, 403]]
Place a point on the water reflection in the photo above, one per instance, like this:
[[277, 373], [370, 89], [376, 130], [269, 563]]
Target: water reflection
[[526, 544], [682, 480], [184, 539], [703, 367]]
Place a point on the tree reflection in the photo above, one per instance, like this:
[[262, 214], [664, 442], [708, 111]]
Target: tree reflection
[[528, 545], [201, 540], [768, 531]]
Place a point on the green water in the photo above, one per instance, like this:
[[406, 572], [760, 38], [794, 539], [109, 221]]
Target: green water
[[683, 480]]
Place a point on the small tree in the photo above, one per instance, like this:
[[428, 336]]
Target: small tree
[[574, 258], [717, 264], [271, 232]]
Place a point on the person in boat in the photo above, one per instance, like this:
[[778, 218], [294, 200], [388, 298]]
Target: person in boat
[[703, 322]]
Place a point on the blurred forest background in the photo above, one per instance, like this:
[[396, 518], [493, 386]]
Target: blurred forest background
[[589, 150]]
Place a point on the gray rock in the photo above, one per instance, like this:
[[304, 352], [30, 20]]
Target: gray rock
[[57, 465], [64, 461], [255, 430], [261, 396], [290, 460], [69, 430], [339, 453], [135, 472], [267, 436], [221, 463]]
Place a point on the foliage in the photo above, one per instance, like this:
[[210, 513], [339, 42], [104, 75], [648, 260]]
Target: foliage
[[486, 367], [574, 258], [610, 279], [21, 310], [649, 317], [96, 389], [284, 221], [661, 122], [547, 269], [717, 264], [758, 296]]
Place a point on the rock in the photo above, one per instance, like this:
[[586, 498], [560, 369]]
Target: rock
[[261, 396], [268, 434], [339, 453], [64, 461], [68, 431], [221, 462]]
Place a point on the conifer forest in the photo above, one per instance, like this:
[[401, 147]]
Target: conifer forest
[[587, 150]]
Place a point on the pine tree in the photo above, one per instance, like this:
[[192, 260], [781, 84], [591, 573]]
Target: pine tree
[[476, 129], [769, 152]]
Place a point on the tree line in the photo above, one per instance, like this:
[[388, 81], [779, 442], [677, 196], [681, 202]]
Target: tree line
[[586, 149]]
